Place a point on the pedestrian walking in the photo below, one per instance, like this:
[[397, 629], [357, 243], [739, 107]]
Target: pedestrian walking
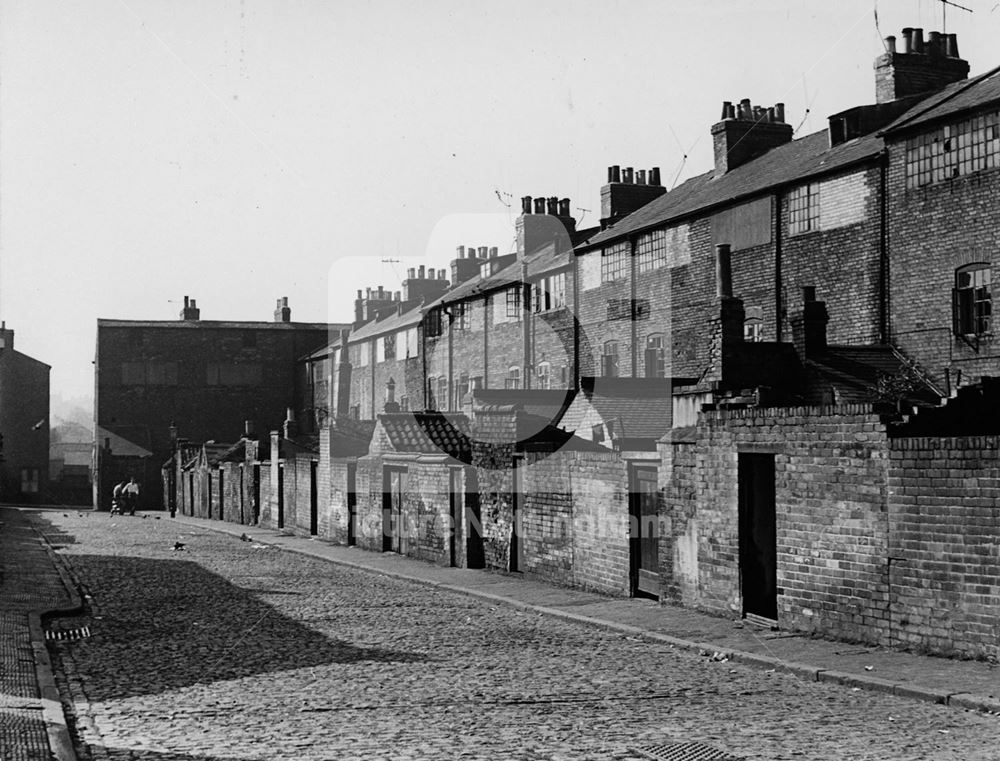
[[118, 498], [132, 496]]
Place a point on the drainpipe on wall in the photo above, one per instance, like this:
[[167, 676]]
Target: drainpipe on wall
[[883, 253], [632, 305], [451, 354], [526, 324], [778, 316]]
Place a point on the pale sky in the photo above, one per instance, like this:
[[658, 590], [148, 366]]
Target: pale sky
[[240, 150]]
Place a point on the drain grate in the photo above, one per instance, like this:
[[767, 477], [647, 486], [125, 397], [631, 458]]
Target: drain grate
[[687, 752], [66, 635]]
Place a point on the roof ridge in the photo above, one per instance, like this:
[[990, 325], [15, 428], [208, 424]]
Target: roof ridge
[[924, 106]]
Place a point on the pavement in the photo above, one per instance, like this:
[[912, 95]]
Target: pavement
[[964, 684], [34, 584]]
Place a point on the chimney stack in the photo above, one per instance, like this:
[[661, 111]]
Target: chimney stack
[[282, 313], [809, 326], [190, 311], [748, 133], [723, 271], [289, 429], [621, 198], [920, 68]]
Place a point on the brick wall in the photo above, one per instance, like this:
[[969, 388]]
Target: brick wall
[[830, 480], [933, 231], [574, 520], [944, 539], [494, 432]]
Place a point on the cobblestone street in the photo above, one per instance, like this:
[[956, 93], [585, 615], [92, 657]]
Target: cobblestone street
[[235, 650]]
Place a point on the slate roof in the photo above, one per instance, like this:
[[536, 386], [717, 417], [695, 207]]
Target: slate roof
[[411, 316], [633, 408], [956, 98], [793, 162], [428, 433], [853, 372], [541, 261], [125, 440], [351, 438]]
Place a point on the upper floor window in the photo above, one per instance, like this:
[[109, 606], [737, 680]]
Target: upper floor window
[[803, 209], [463, 316], [442, 392], [513, 379], [651, 251], [971, 300], [550, 293], [461, 390], [432, 402], [614, 262], [410, 336], [656, 364], [543, 375], [609, 360], [404, 404], [432, 323], [953, 150], [514, 303], [753, 330]]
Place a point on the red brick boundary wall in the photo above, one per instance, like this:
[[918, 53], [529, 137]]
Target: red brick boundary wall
[[944, 543]]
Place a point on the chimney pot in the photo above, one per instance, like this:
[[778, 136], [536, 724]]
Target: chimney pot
[[654, 176], [627, 176], [640, 176], [918, 40], [526, 205], [907, 39], [186, 302], [611, 174], [193, 304], [770, 114], [483, 250], [616, 173], [494, 251], [359, 293], [420, 272], [726, 106], [951, 45], [564, 208], [442, 275], [779, 112], [539, 206], [745, 109], [411, 273], [890, 44], [460, 252], [934, 46], [552, 206]]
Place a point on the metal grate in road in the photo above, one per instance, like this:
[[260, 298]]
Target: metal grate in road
[[65, 635], [686, 752]]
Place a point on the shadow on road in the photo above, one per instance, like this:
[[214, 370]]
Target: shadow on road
[[160, 624]]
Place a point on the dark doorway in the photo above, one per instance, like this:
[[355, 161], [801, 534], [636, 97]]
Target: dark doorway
[[352, 505], [644, 535], [758, 540], [393, 523], [243, 517], [456, 488], [475, 555], [208, 496], [255, 506], [222, 496], [313, 500], [281, 496], [191, 494]]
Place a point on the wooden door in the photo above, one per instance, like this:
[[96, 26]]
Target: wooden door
[[393, 517], [758, 536], [644, 532], [352, 505]]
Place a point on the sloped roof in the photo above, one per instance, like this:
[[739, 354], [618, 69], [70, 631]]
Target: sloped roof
[[541, 261], [428, 433], [633, 408], [124, 441], [853, 372], [793, 162], [411, 316], [350, 437], [954, 99]]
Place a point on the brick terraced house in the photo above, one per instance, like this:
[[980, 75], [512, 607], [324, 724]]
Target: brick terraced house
[[766, 393]]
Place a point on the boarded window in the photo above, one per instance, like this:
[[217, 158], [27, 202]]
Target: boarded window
[[744, 226]]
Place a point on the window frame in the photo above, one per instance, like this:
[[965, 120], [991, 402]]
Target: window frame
[[972, 302], [610, 360], [614, 262]]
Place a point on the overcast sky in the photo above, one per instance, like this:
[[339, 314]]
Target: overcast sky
[[240, 150]]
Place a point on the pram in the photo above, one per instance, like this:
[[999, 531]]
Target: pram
[[116, 506]]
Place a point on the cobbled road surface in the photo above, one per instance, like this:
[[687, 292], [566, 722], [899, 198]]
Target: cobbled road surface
[[233, 650]]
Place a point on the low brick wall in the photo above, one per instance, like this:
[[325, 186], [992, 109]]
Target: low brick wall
[[830, 492], [575, 520], [944, 542]]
